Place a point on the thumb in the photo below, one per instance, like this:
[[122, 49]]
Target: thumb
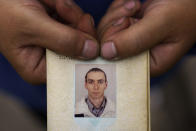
[[137, 38], [63, 39]]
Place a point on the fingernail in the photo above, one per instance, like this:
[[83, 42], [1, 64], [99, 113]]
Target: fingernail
[[90, 49], [119, 22], [136, 20], [92, 21], [129, 5], [69, 2], [108, 50]]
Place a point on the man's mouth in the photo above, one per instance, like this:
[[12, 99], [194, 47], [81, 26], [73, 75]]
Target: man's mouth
[[95, 93]]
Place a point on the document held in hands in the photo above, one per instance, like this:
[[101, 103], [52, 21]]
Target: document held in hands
[[98, 95]]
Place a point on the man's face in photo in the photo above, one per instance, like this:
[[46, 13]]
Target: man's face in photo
[[96, 84]]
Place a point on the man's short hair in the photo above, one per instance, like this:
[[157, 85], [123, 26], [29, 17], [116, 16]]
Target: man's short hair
[[95, 70]]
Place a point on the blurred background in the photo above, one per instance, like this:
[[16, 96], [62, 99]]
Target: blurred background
[[173, 103], [173, 99], [22, 106]]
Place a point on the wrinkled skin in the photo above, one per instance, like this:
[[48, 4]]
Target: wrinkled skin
[[165, 27], [26, 30]]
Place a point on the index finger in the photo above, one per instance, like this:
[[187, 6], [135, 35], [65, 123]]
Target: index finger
[[119, 9], [67, 9], [72, 14]]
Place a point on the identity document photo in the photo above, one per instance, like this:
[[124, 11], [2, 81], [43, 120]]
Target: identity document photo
[[95, 91]]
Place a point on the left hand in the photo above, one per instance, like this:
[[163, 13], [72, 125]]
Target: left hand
[[26, 30]]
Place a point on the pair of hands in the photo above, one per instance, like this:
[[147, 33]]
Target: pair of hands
[[165, 27]]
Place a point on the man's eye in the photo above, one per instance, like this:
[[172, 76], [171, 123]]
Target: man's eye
[[90, 81], [101, 81]]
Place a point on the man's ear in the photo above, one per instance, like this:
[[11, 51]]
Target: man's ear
[[85, 84], [106, 84]]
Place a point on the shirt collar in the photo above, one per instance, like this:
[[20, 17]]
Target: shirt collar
[[96, 111]]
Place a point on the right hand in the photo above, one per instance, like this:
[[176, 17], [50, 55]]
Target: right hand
[[26, 30], [165, 27]]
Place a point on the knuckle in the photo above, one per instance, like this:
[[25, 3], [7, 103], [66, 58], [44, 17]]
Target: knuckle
[[138, 45], [33, 5]]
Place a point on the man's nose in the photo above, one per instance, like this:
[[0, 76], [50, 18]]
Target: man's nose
[[96, 86]]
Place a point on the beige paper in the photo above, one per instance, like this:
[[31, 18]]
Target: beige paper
[[132, 95]]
